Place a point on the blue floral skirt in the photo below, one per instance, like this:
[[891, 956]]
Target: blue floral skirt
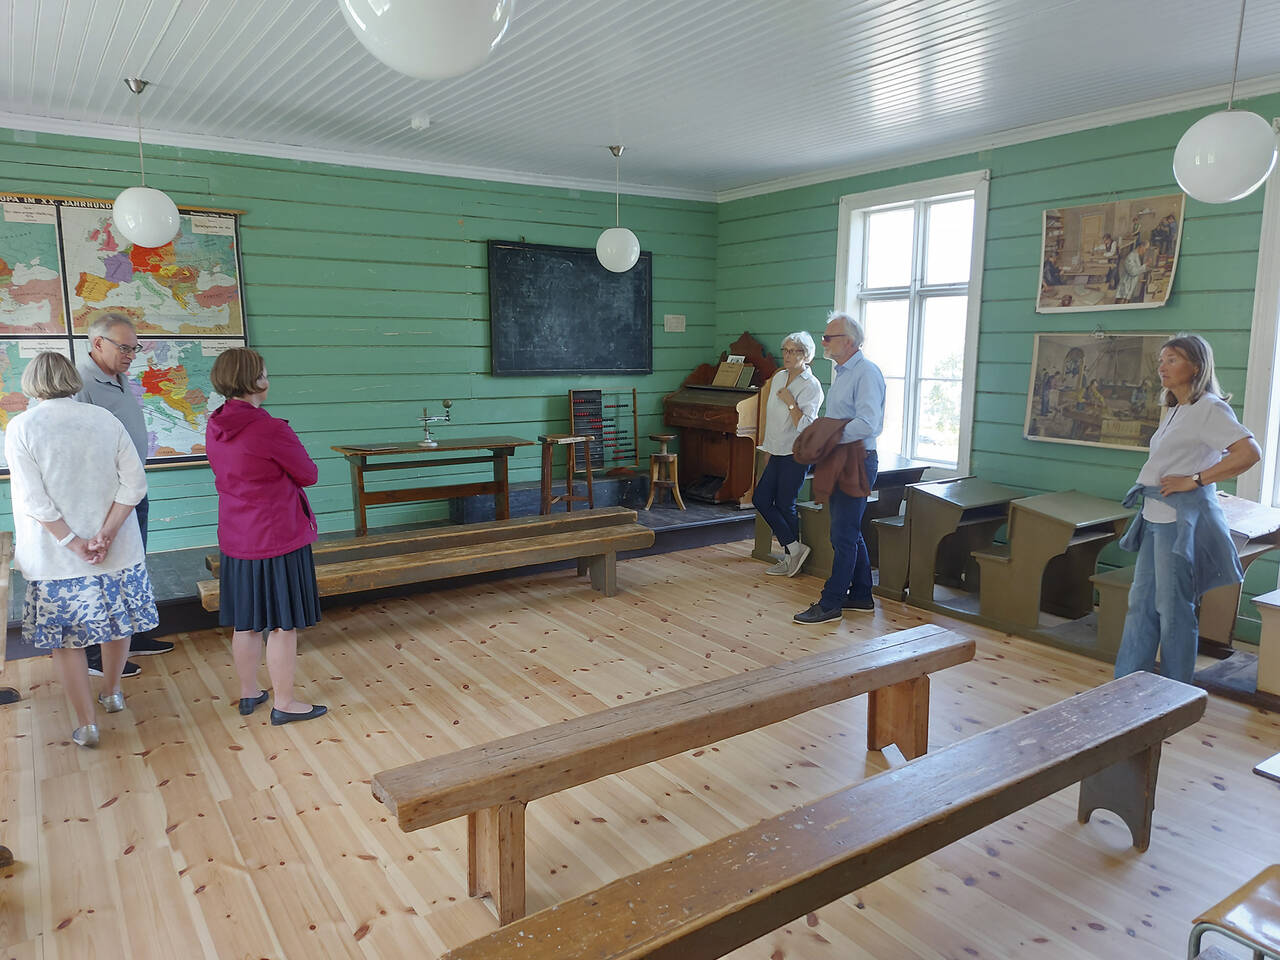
[[80, 611]]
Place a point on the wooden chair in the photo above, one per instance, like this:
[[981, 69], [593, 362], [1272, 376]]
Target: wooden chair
[[664, 470], [568, 498], [493, 782], [708, 902], [1250, 916]]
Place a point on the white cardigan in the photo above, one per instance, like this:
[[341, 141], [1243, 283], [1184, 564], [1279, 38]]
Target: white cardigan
[[71, 460]]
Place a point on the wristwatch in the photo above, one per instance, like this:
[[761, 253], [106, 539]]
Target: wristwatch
[[1196, 478], [791, 406]]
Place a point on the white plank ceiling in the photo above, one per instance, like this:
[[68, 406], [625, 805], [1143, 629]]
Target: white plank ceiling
[[710, 97]]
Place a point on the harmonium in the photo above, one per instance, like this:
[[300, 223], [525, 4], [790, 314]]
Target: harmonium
[[718, 426]]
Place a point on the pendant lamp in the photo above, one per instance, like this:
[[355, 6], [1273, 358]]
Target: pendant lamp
[[144, 216], [617, 249], [429, 39], [1226, 155]]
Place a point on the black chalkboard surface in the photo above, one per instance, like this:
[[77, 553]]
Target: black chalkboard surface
[[556, 310]]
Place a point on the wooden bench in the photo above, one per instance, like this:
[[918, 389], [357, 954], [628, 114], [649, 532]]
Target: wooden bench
[[491, 783], [592, 537], [728, 893]]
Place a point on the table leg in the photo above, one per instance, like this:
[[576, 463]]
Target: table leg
[[501, 502], [357, 494]]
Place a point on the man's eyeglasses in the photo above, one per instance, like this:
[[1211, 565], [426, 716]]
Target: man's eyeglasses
[[130, 350], [828, 337]]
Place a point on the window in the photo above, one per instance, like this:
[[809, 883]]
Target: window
[[910, 269], [1262, 378]]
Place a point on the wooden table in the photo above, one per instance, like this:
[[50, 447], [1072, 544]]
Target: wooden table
[[892, 478], [358, 455], [1054, 541], [947, 521]]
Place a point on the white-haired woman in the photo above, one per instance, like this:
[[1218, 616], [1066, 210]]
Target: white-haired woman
[[793, 397], [1181, 537], [75, 478]]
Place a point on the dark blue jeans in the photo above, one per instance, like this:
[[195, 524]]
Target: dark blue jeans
[[775, 496], [141, 511], [850, 566]]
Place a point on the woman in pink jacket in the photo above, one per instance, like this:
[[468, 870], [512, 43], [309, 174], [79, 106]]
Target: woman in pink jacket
[[265, 532]]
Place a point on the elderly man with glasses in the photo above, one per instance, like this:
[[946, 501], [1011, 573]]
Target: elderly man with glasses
[[856, 395], [113, 344]]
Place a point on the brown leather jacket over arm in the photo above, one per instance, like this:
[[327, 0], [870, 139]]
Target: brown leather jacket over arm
[[834, 463]]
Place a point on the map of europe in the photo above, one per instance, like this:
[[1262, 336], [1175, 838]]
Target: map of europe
[[14, 357], [30, 284], [187, 288]]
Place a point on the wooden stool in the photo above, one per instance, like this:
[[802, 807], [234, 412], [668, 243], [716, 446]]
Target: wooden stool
[[1250, 916], [569, 498], [664, 470]]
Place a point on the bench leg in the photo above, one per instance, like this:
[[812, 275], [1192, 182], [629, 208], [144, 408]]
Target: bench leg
[[495, 858], [604, 573], [1127, 789], [584, 566], [900, 714], [6, 858]]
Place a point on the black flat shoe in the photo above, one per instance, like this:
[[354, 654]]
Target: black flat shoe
[[279, 716], [248, 703]]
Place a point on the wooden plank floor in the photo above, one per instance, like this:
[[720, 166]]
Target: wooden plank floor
[[193, 832]]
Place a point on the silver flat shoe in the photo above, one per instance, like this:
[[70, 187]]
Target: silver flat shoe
[[86, 736], [780, 568], [111, 702]]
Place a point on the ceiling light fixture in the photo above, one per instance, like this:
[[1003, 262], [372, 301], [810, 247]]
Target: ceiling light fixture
[[429, 39], [617, 249], [144, 216], [1226, 155]]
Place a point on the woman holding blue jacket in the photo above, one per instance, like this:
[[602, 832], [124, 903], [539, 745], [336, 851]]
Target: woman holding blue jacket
[[1184, 547]]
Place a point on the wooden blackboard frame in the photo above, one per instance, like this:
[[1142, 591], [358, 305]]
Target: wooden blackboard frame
[[522, 324]]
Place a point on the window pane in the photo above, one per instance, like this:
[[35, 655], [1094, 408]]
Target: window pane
[[885, 324], [938, 429], [889, 237], [942, 346], [890, 440], [950, 241]]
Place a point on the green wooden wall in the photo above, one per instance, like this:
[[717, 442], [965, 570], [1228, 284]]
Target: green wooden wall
[[777, 264], [366, 291]]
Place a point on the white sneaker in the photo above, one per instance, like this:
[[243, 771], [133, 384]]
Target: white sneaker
[[781, 568], [799, 554]]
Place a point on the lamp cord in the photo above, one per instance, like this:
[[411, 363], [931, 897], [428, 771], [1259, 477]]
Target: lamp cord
[[1236, 66], [617, 189], [141, 168]]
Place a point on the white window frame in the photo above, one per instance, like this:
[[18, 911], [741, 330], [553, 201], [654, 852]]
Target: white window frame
[[1262, 377], [850, 258]]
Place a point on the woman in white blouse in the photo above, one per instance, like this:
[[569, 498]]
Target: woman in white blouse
[[793, 397], [75, 479]]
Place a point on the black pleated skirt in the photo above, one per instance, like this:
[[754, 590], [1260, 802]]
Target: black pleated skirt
[[277, 593]]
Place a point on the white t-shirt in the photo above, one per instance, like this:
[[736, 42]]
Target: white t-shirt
[[779, 432], [1191, 438]]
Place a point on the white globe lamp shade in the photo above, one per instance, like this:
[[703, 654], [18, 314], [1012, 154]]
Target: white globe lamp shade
[[1225, 156], [618, 249], [145, 217], [428, 39]]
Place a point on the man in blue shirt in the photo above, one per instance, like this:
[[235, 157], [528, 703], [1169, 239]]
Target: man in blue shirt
[[856, 394]]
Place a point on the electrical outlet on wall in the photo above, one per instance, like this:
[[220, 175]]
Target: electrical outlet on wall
[[673, 323]]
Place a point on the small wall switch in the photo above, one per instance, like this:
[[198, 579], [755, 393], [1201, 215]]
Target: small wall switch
[[673, 323]]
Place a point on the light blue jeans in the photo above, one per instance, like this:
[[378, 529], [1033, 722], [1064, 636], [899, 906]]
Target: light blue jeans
[[1162, 610]]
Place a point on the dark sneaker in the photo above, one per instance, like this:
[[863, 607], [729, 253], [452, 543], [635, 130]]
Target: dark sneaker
[[93, 655], [816, 614], [867, 606], [146, 647]]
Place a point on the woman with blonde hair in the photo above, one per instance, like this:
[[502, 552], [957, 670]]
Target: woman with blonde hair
[[75, 478], [265, 532], [1184, 547], [792, 399]]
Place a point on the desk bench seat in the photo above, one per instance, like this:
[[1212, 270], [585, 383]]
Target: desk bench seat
[[491, 783], [593, 537], [727, 893]]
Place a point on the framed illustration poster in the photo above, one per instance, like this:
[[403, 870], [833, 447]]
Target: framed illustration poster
[[1095, 390], [1110, 256]]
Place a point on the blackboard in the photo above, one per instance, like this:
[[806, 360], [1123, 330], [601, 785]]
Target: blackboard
[[556, 310]]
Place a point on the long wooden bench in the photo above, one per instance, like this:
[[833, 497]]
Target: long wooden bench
[[728, 893], [491, 783], [592, 537]]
